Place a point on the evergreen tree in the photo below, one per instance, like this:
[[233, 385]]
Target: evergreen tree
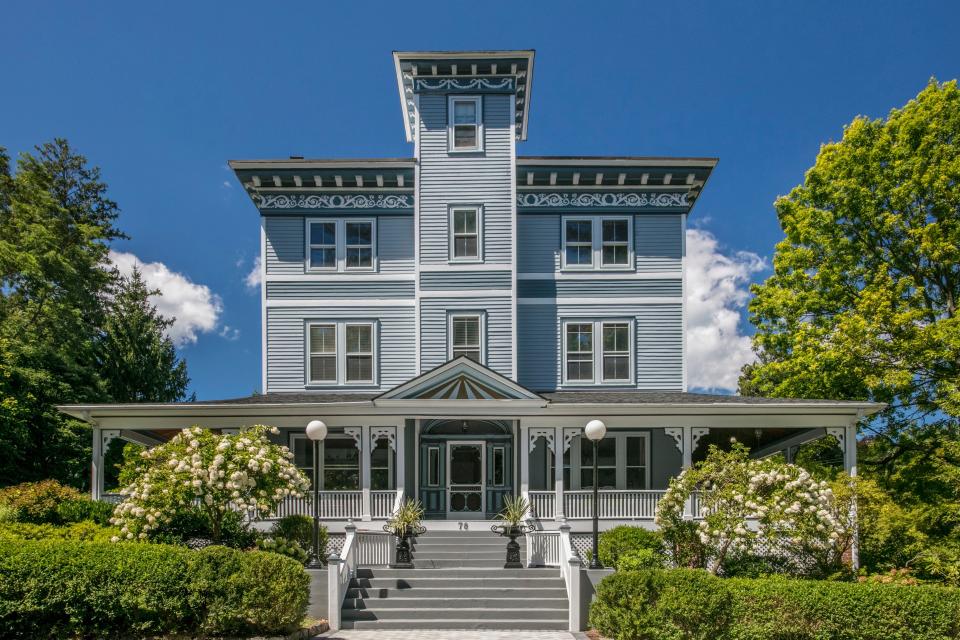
[[137, 360]]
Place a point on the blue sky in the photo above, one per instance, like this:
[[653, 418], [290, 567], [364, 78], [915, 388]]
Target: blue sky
[[160, 95]]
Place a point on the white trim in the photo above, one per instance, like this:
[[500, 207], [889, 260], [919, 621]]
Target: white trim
[[683, 305], [340, 353], [597, 353], [620, 464], [465, 293], [263, 305], [478, 102], [607, 301], [596, 244], [340, 246], [417, 268], [451, 234], [481, 330], [343, 302], [630, 264], [603, 275], [343, 277], [464, 266], [308, 353], [564, 220], [514, 318]]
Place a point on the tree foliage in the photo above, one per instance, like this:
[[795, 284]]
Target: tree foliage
[[61, 335], [136, 357], [863, 301]]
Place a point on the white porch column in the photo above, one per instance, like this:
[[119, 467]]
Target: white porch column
[[400, 455], [365, 452], [850, 466], [559, 446], [686, 453], [524, 448], [96, 465]]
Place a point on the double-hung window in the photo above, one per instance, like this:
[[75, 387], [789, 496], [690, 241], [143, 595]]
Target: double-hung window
[[597, 352], [465, 123], [465, 227], [322, 252], [341, 352], [597, 242], [466, 336], [341, 245]]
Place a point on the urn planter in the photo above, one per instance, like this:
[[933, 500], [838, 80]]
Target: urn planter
[[512, 531]]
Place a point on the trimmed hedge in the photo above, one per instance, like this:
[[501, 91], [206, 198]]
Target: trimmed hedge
[[624, 540], [683, 603], [86, 531], [95, 590]]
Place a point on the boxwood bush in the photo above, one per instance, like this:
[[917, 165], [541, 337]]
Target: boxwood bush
[[682, 603], [621, 540], [52, 588]]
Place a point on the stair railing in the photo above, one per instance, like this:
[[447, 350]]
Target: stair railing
[[339, 571], [570, 570]]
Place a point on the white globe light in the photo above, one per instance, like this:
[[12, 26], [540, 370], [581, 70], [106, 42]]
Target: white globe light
[[316, 430], [595, 430]]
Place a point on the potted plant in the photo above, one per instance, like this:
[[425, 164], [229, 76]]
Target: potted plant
[[512, 526], [404, 523]]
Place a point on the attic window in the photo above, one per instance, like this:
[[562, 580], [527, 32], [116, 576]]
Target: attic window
[[465, 123]]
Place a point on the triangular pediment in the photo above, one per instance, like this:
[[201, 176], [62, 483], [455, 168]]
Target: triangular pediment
[[460, 379]]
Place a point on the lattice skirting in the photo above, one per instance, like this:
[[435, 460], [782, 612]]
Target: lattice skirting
[[581, 542], [335, 543]]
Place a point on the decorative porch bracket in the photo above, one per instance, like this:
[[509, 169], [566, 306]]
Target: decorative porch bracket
[[379, 433], [546, 434]]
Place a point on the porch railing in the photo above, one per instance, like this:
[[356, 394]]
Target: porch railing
[[543, 549], [382, 504], [542, 504], [334, 505], [612, 504]]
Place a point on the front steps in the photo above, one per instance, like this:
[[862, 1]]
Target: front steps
[[458, 582]]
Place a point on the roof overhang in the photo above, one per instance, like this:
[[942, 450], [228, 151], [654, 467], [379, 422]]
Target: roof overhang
[[464, 66]]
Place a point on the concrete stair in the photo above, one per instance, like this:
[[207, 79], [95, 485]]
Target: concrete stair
[[458, 582]]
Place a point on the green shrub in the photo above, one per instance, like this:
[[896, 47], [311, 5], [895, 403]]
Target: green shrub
[[7, 514], [85, 509], [623, 539], [283, 546], [661, 605], [97, 590], [640, 560], [190, 524], [655, 605], [87, 531], [38, 501], [299, 529]]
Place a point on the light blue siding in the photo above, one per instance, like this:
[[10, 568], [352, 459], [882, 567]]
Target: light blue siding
[[286, 243], [286, 342], [331, 287], [456, 280], [658, 343], [659, 242], [465, 178], [433, 330], [599, 288], [538, 243]]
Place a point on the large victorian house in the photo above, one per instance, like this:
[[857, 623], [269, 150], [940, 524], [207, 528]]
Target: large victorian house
[[457, 317]]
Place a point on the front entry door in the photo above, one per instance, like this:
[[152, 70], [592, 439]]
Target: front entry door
[[466, 497]]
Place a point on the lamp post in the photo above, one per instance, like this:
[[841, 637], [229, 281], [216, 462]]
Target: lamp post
[[316, 432], [595, 430]]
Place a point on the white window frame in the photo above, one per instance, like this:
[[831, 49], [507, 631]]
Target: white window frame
[[597, 244], [372, 353], [478, 101], [481, 321], [452, 257], [293, 437], [341, 353], [310, 354], [629, 353], [564, 243], [308, 263], [341, 245], [620, 437], [598, 352]]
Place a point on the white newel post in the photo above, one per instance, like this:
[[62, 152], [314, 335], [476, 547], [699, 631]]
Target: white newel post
[[575, 623], [333, 592], [400, 455], [559, 446], [524, 461], [366, 450], [96, 465]]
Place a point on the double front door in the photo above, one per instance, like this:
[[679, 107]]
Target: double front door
[[464, 479]]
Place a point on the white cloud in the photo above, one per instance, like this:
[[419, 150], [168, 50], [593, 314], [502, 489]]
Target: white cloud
[[195, 307], [229, 333], [254, 277], [717, 291]]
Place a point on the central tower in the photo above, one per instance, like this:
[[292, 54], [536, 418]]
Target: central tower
[[465, 112]]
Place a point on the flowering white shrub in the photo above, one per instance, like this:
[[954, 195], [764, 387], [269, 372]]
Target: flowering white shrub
[[214, 472], [756, 507]]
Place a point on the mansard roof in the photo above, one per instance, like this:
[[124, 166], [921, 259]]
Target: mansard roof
[[512, 70]]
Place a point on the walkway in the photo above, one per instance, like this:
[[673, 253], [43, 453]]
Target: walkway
[[446, 634]]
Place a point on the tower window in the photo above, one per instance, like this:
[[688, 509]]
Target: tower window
[[465, 118]]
